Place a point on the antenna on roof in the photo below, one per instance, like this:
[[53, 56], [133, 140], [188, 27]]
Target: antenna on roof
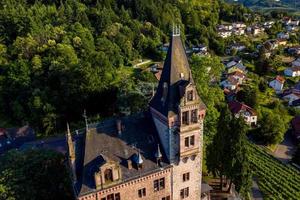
[[86, 121], [176, 30]]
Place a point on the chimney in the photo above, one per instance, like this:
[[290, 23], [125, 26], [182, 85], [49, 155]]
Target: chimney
[[71, 152], [129, 163], [165, 92], [119, 127]]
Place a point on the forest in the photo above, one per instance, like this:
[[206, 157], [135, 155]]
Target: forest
[[59, 57]]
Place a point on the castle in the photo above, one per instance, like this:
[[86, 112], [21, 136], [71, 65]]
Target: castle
[[152, 156]]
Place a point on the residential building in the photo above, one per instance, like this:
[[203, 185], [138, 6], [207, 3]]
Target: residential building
[[242, 110], [296, 63], [292, 71], [290, 96], [283, 35], [230, 83], [152, 155], [277, 83]]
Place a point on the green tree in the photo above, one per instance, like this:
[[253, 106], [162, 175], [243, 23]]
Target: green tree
[[273, 128], [30, 175], [227, 155]]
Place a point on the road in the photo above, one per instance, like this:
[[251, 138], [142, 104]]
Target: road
[[256, 194], [284, 151]]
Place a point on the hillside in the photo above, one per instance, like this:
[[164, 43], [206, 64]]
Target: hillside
[[269, 4]]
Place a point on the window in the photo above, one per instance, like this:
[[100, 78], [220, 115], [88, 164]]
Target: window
[[142, 192], [110, 197], [189, 141], [186, 176], [185, 117], [108, 175], [159, 184], [194, 116], [166, 198], [190, 95], [115, 196], [186, 142], [192, 140], [184, 193]]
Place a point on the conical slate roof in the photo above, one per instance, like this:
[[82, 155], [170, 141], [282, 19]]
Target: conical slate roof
[[176, 71]]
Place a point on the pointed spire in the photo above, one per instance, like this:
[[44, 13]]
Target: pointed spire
[[158, 154], [72, 155], [86, 121], [139, 158], [70, 143]]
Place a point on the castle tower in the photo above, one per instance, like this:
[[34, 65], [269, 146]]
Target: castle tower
[[71, 153], [178, 114]]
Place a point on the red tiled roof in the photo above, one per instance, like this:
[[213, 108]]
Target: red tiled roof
[[236, 107], [237, 73], [280, 79]]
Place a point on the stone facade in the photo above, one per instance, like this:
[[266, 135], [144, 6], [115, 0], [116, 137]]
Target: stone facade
[[130, 190], [177, 113]]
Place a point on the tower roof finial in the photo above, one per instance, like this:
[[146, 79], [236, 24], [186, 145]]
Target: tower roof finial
[[86, 120], [70, 143], [176, 30]]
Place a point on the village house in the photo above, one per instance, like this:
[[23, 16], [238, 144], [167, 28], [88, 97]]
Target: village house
[[268, 24], [296, 63], [238, 31], [295, 50], [255, 30], [224, 33], [290, 96], [239, 76], [277, 83], [283, 35], [287, 21], [238, 47], [282, 42], [155, 155], [238, 67], [292, 71], [230, 83], [242, 110], [239, 25]]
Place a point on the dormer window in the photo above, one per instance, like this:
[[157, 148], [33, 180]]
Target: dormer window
[[190, 95], [108, 175]]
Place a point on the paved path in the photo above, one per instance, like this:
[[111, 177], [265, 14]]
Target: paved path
[[256, 194], [284, 151]]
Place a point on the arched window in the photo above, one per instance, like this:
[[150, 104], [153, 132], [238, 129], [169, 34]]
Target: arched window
[[108, 176]]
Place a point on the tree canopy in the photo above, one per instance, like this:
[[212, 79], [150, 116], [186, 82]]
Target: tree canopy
[[34, 174]]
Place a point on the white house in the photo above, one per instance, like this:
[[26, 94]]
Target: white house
[[292, 71], [230, 83], [244, 111], [224, 33], [277, 83]]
